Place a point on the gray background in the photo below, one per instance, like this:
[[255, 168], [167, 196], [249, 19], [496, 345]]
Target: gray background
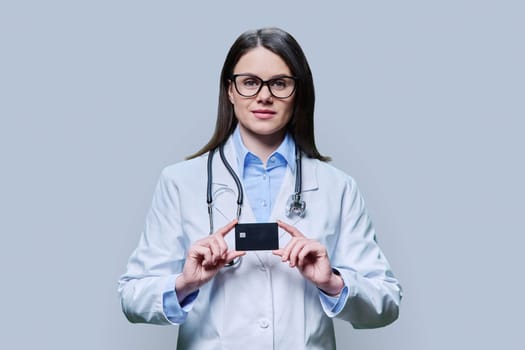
[[422, 102]]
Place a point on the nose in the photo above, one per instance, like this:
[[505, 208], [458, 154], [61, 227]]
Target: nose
[[264, 94]]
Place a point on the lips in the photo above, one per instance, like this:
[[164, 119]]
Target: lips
[[263, 113]]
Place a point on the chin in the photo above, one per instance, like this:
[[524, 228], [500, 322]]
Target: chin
[[262, 131]]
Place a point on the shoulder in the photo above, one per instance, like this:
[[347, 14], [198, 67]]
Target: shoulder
[[328, 173], [338, 184], [186, 169]]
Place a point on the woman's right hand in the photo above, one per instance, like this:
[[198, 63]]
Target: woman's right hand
[[205, 258]]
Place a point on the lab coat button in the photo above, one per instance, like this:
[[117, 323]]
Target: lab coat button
[[264, 323]]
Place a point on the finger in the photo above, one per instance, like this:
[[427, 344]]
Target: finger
[[219, 236], [289, 247], [223, 246], [290, 229], [294, 253], [223, 231], [215, 249], [312, 250], [307, 250], [278, 252], [234, 254], [202, 255]]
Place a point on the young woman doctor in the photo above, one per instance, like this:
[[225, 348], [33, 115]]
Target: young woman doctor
[[328, 263]]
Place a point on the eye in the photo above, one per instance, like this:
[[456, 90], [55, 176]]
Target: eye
[[279, 84], [250, 82]]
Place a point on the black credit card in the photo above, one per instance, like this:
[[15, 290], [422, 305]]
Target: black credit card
[[256, 236]]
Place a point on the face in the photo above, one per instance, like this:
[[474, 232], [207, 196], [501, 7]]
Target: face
[[262, 116]]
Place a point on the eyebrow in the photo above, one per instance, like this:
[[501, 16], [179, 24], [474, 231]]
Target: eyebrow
[[277, 76]]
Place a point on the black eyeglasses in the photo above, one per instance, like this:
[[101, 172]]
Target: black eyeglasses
[[248, 85]]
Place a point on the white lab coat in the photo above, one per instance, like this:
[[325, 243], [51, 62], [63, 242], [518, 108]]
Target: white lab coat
[[261, 303]]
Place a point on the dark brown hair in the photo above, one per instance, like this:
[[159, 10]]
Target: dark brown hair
[[301, 125]]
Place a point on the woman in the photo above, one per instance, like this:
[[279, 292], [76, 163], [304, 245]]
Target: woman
[[328, 263]]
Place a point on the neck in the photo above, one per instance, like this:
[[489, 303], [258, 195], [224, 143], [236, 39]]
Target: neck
[[262, 145]]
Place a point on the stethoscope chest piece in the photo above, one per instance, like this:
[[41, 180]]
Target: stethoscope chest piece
[[295, 206]]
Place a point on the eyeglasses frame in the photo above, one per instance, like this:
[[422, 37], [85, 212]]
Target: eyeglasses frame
[[264, 82]]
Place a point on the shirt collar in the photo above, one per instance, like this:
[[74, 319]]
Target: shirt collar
[[286, 149]]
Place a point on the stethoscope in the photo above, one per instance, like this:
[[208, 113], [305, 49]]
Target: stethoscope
[[294, 206]]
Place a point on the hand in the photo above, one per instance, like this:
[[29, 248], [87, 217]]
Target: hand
[[205, 258], [311, 259]]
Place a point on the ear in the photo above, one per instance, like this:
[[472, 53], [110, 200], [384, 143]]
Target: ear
[[230, 91]]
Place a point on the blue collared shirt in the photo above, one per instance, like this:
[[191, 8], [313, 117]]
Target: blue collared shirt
[[261, 183]]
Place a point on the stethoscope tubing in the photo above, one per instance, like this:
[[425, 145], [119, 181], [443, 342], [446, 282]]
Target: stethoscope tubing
[[296, 197]]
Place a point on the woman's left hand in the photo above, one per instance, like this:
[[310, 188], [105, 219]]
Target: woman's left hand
[[311, 259]]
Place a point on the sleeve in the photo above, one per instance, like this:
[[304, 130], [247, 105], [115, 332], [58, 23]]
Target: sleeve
[[374, 294], [332, 305], [147, 289]]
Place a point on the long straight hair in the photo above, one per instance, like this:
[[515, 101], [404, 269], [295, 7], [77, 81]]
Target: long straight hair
[[301, 125]]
